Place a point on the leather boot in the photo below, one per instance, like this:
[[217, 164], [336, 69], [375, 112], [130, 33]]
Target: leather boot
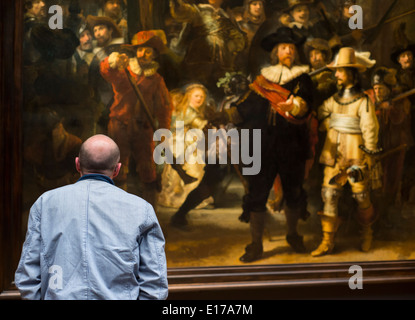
[[366, 237], [254, 250], [293, 238], [329, 226], [179, 219], [366, 218]]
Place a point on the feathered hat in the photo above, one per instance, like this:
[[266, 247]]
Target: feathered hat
[[349, 58]]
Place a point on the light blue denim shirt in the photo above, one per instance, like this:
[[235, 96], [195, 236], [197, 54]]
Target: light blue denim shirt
[[92, 240]]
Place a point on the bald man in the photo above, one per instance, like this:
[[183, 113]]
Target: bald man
[[91, 239]]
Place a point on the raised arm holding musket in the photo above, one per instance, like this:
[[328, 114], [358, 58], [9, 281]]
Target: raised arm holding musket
[[129, 124]]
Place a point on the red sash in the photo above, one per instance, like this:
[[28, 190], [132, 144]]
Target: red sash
[[275, 94]]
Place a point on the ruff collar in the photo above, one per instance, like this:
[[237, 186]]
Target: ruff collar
[[281, 74]]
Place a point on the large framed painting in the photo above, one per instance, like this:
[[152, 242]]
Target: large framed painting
[[276, 141]]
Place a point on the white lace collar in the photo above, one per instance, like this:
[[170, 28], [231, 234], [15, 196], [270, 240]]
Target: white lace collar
[[281, 74]]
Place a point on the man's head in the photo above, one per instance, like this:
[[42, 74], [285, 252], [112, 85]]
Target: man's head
[[382, 92], [317, 59], [348, 64], [346, 77], [256, 8], [383, 82], [283, 46], [103, 29], [85, 41], [37, 8], [147, 45], [145, 55], [406, 59], [346, 8], [318, 52], [99, 154], [103, 34], [284, 54], [113, 9], [300, 13]]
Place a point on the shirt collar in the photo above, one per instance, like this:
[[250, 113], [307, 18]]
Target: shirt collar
[[97, 176]]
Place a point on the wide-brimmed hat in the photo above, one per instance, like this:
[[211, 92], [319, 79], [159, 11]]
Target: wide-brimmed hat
[[318, 44], [282, 35], [294, 3], [93, 21], [398, 50], [402, 43], [348, 58], [155, 39]]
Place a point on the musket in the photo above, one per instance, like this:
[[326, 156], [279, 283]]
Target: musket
[[403, 95], [178, 168]]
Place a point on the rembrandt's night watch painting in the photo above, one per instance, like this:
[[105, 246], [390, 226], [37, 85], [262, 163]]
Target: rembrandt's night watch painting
[[263, 132]]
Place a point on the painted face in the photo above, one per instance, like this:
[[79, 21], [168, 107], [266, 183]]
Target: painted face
[[343, 77], [145, 55], [286, 54], [197, 98], [103, 34], [382, 92], [317, 59], [256, 8], [85, 41], [346, 12], [38, 8], [406, 59], [112, 9], [300, 14]]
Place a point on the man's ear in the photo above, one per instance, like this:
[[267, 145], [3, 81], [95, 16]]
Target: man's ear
[[116, 170], [78, 165]]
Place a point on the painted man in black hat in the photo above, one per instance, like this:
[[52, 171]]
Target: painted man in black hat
[[403, 55], [279, 104]]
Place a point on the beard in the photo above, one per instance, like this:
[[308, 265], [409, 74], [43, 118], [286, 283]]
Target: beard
[[87, 47], [318, 65], [147, 64], [287, 61], [102, 42]]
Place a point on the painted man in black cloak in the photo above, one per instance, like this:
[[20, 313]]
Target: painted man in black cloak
[[279, 104]]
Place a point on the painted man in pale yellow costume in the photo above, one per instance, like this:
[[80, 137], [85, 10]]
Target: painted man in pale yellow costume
[[350, 121]]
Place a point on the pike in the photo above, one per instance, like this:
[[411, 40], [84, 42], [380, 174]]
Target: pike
[[368, 29], [178, 168], [356, 173], [379, 154], [373, 34], [313, 73]]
